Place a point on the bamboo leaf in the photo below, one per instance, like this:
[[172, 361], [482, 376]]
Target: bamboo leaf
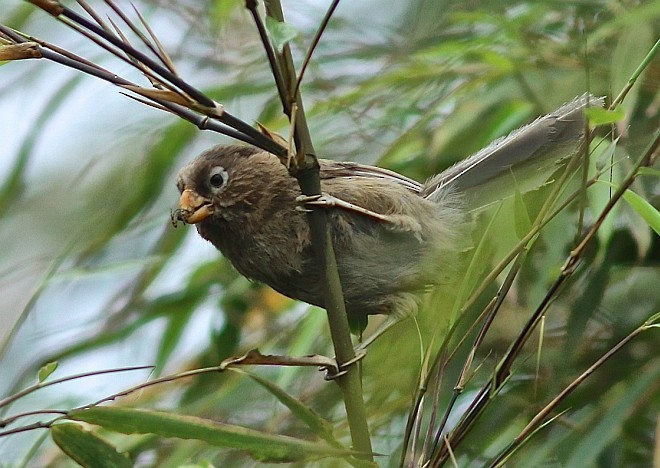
[[600, 116], [280, 33], [649, 171], [650, 214], [522, 221], [87, 449], [260, 445], [316, 423]]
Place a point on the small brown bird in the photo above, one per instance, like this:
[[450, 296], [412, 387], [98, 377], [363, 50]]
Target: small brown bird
[[393, 237]]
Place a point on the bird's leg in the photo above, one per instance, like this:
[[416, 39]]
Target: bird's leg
[[395, 221], [328, 201], [388, 323]]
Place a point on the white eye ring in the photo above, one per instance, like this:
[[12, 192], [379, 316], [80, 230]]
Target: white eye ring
[[218, 177]]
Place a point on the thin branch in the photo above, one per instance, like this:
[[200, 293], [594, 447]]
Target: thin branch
[[38, 386], [495, 272], [7, 421], [491, 311], [193, 92], [227, 125], [275, 69], [90, 11], [29, 427], [70, 60], [145, 40], [315, 42], [202, 103]]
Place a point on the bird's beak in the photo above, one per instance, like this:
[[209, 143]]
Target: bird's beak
[[193, 208]]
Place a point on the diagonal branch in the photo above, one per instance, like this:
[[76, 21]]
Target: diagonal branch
[[178, 97], [275, 69], [315, 42]]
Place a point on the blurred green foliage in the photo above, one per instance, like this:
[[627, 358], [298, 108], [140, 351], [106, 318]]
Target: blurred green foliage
[[96, 277]]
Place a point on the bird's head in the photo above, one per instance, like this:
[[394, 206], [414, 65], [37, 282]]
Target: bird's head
[[215, 181]]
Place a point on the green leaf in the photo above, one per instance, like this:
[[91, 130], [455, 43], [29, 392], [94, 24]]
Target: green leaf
[[87, 449], [280, 33], [600, 116], [475, 266], [260, 445], [522, 221], [653, 321], [649, 171], [644, 209], [316, 423], [46, 370]]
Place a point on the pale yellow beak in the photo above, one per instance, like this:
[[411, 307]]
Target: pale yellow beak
[[193, 208]]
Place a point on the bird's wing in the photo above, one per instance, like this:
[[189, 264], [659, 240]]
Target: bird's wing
[[336, 169]]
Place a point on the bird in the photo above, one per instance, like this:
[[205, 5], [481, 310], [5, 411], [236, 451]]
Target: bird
[[393, 237]]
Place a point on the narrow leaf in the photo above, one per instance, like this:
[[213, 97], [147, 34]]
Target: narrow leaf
[[87, 449], [522, 221], [644, 209], [280, 33], [600, 116], [316, 423], [260, 445], [649, 171]]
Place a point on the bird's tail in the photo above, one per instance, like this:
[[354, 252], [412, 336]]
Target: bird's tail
[[530, 152]]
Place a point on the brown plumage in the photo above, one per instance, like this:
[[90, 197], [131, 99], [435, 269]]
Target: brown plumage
[[256, 225]]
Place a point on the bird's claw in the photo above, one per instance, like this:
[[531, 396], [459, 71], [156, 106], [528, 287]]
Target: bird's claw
[[316, 200], [322, 200], [332, 373]]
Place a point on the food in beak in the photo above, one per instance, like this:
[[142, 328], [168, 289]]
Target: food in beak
[[193, 208]]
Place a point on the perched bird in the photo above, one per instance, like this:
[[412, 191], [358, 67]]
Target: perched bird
[[393, 237]]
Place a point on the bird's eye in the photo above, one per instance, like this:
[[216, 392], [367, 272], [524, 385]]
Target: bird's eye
[[216, 180], [218, 177]]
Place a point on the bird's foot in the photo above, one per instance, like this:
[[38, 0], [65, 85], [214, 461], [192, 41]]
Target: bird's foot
[[329, 201], [334, 372]]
